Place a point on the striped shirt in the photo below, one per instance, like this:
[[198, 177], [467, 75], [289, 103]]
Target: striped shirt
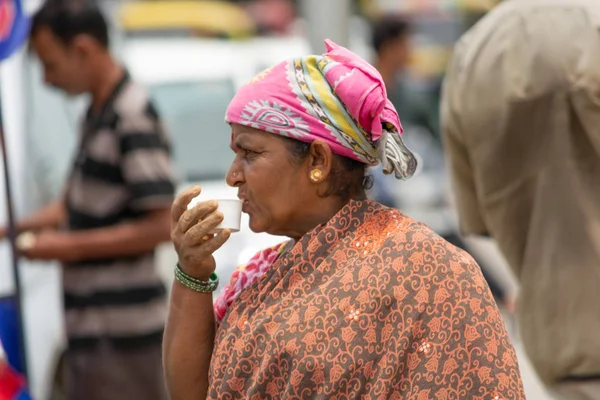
[[122, 171]]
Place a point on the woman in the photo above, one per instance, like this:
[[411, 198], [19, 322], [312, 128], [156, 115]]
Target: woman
[[363, 302]]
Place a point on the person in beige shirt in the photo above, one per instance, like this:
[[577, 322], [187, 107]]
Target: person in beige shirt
[[521, 126]]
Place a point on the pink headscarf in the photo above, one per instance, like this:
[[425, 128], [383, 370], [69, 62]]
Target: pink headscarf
[[337, 97]]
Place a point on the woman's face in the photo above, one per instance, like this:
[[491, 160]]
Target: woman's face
[[272, 187], [277, 193]]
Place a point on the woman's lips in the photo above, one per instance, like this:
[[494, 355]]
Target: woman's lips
[[245, 205], [245, 202]]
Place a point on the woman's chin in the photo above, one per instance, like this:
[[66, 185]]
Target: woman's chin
[[255, 226], [255, 230]]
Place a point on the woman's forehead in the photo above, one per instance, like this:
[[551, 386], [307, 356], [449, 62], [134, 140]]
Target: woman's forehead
[[241, 134], [237, 129]]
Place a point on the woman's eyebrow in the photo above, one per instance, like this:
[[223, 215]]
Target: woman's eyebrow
[[240, 142], [234, 144]]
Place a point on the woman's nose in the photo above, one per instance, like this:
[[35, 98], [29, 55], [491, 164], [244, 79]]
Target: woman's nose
[[234, 177]]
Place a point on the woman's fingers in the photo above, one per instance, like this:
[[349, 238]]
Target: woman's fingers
[[191, 229], [195, 215], [196, 234], [181, 202], [193, 257], [212, 245]]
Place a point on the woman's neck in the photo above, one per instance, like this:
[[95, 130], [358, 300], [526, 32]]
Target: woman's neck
[[321, 214]]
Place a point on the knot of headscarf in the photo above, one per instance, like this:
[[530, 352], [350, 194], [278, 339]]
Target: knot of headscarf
[[337, 97]]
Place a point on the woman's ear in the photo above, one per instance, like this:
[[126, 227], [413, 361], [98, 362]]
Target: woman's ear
[[320, 161]]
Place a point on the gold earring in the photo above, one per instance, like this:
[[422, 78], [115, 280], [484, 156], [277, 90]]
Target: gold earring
[[316, 175]]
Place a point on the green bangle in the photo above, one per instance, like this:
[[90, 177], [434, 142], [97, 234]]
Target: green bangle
[[198, 285]]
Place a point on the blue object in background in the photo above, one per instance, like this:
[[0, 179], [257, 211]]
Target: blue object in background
[[10, 334], [14, 27], [13, 385]]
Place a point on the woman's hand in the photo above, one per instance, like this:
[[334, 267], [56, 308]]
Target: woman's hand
[[190, 233]]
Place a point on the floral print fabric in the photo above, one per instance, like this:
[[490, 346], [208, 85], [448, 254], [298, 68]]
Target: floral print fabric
[[244, 276], [371, 305]]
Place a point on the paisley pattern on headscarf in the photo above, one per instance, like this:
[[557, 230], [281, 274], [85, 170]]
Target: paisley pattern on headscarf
[[337, 97]]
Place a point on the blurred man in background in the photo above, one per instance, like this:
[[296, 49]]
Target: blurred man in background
[[521, 123], [391, 40], [112, 215]]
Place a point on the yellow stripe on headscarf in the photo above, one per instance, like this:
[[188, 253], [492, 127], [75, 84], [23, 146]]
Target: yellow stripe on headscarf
[[325, 95]]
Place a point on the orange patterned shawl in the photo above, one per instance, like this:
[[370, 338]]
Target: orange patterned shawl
[[371, 305]]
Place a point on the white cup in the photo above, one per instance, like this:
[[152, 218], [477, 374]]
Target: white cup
[[231, 210]]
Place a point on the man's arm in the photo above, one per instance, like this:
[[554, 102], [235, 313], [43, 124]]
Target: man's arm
[[48, 217], [131, 238], [122, 240]]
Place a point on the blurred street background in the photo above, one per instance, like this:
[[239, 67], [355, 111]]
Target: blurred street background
[[193, 56]]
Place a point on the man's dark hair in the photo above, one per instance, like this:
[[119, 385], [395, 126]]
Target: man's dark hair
[[388, 29], [68, 19]]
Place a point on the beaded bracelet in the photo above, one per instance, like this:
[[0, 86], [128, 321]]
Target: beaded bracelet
[[198, 285]]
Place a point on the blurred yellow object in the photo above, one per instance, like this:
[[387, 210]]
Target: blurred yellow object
[[430, 61], [211, 17], [378, 8], [477, 5]]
